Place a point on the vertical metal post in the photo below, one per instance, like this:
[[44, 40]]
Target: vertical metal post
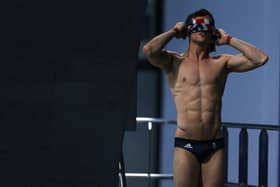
[[263, 158], [122, 177], [225, 132], [150, 128], [243, 157]]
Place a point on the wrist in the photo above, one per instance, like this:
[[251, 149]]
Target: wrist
[[174, 31], [228, 39]]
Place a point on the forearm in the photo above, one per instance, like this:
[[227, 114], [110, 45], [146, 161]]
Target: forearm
[[155, 45], [251, 52]]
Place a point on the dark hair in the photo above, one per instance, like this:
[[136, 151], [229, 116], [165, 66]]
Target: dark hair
[[203, 12]]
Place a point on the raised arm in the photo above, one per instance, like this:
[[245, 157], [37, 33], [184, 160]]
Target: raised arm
[[154, 49], [250, 57]]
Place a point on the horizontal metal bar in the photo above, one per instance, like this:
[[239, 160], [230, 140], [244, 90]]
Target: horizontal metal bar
[[231, 184], [145, 120], [250, 126], [170, 176], [155, 120], [149, 175]]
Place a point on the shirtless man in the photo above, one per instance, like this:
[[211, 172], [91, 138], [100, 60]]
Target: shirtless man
[[197, 83]]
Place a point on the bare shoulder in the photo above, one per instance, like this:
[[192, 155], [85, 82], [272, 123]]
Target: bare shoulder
[[219, 62], [163, 59], [172, 72], [174, 54], [221, 57], [175, 59]]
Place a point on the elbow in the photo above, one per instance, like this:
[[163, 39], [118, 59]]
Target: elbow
[[147, 50], [264, 60]]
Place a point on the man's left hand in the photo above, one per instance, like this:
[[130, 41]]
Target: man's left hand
[[223, 37]]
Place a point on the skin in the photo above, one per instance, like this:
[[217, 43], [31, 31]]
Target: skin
[[197, 83]]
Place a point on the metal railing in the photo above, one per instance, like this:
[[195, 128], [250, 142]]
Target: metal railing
[[243, 152]]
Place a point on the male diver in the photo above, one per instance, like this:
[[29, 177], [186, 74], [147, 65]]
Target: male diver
[[197, 81]]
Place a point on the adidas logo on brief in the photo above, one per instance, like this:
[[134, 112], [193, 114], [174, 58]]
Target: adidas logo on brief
[[188, 146]]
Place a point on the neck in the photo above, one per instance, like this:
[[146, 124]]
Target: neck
[[197, 52]]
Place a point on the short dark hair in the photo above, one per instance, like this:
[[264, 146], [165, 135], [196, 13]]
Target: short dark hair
[[201, 12], [204, 12]]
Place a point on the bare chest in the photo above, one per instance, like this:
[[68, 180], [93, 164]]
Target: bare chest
[[202, 73]]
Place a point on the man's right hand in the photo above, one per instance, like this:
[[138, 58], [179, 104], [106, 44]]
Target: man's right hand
[[180, 30]]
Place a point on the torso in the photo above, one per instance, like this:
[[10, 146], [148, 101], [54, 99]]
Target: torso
[[197, 89]]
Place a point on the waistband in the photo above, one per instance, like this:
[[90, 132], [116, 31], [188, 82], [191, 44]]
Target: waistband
[[200, 141]]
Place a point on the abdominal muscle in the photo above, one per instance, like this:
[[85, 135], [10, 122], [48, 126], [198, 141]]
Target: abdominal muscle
[[198, 111]]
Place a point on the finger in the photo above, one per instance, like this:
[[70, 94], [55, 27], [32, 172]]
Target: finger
[[221, 30], [218, 43], [217, 34]]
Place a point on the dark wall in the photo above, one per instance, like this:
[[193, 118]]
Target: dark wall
[[140, 148], [68, 81]]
